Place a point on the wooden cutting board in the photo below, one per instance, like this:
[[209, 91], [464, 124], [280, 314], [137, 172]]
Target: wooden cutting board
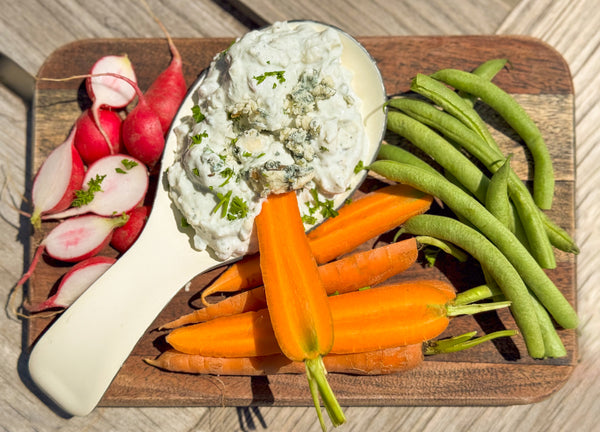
[[498, 373]]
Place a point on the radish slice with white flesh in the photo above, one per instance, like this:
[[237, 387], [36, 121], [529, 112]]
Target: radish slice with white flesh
[[56, 181], [123, 183], [108, 91], [76, 239], [81, 276]]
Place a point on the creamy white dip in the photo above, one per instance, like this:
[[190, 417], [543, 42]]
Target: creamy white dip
[[275, 112]]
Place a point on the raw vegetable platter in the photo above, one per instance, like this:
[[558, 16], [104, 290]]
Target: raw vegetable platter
[[497, 373]]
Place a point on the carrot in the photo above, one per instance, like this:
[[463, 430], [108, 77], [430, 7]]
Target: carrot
[[363, 219], [347, 274], [380, 362], [296, 299], [377, 318]]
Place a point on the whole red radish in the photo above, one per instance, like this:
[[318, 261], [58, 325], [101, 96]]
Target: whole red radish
[[112, 185], [81, 276], [124, 236], [107, 90], [55, 183], [76, 239], [168, 89], [89, 141], [142, 132]]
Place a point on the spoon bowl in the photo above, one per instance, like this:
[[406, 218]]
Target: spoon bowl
[[78, 356]]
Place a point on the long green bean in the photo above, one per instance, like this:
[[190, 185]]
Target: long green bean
[[531, 273], [497, 200], [494, 261], [441, 151], [452, 103], [514, 114], [486, 70], [491, 157], [414, 128]]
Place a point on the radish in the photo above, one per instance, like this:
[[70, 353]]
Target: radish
[[89, 141], [107, 90], [56, 181], [142, 132], [76, 239], [112, 185], [124, 236], [81, 276], [168, 90]]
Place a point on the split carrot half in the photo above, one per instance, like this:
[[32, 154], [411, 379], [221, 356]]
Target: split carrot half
[[347, 274], [364, 218], [296, 299], [377, 318], [380, 362]]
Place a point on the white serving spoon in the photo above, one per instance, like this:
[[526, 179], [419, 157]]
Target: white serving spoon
[[76, 359]]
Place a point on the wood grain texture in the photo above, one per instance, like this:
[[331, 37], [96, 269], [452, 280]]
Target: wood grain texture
[[441, 380]]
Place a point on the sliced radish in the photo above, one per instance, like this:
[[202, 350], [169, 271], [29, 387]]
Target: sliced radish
[[76, 239], [123, 181], [124, 236], [107, 90], [56, 181], [89, 141], [75, 282]]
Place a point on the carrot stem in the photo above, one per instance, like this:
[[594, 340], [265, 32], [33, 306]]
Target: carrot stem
[[319, 386]]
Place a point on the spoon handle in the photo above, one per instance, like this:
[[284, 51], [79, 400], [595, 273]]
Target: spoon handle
[[76, 359]]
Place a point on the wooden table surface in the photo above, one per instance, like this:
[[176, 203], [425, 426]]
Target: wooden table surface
[[31, 30]]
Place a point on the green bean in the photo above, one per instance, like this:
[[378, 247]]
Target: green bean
[[452, 103], [487, 70], [398, 154], [539, 229], [533, 275], [441, 151], [514, 114], [553, 345], [413, 127], [446, 247], [497, 200], [491, 258]]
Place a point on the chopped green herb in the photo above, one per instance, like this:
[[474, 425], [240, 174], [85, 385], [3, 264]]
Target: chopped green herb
[[184, 222], [260, 155], [347, 200], [197, 114], [309, 219], [196, 172], [246, 154], [223, 203], [238, 209], [278, 74], [359, 167], [83, 197], [326, 208], [231, 208], [223, 157], [197, 139], [128, 164], [227, 173], [120, 171], [323, 149]]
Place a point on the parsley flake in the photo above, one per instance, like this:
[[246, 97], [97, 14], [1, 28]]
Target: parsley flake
[[277, 74], [359, 167], [83, 197], [128, 164], [197, 114], [197, 139]]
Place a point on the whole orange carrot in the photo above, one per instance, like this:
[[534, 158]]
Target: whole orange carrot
[[380, 362], [296, 299], [364, 218], [348, 274], [377, 318]]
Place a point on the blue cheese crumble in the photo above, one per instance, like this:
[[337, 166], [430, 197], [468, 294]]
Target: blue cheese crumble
[[275, 112]]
